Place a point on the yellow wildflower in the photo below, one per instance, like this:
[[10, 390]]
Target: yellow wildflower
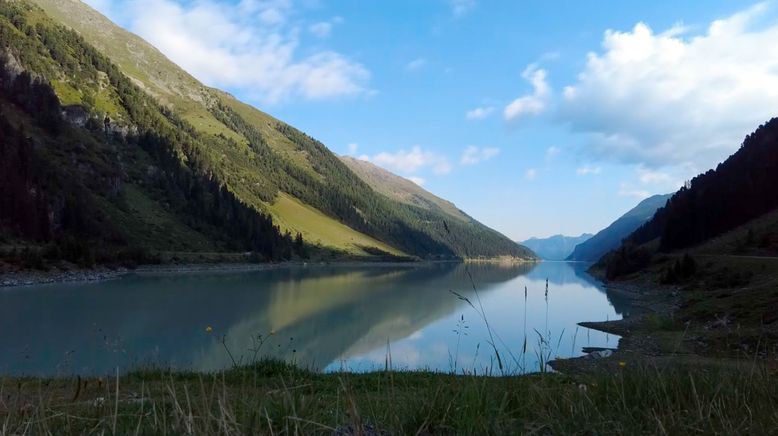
[[622, 364], [208, 329]]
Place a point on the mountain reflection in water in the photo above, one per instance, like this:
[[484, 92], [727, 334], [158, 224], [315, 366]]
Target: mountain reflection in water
[[321, 317]]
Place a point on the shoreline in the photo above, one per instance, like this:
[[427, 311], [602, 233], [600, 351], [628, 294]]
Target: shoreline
[[638, 341], [26, 278]]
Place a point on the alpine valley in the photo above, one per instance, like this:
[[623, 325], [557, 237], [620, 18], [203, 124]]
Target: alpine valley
[[114, 154]]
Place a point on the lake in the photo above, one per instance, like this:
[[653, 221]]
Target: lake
[[327, 318]]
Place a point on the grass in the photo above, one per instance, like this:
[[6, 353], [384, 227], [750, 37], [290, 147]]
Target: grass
[[318, 228], [276, 398], [68, 95]]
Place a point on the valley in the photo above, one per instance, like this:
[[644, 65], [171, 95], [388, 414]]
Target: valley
[[176, 260]]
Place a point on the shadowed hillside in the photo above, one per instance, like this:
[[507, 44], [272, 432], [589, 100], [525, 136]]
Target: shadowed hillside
[[740, 189], [610, 238]]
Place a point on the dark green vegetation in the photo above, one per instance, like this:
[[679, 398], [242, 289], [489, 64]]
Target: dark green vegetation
[[557, 247], [610, 238], [64, 182], [707, 262], [740, 189], [727, 211], [101, 170], [272, 398]]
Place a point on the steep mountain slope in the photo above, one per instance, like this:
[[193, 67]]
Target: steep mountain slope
[[557, 247], [87, 189], [740, 189], [715, 244], [268, 168], [611, 237], [401, 189]]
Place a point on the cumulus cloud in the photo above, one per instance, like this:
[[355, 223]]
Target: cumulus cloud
[[588, 170], [251, 45], [531, 104], [671, 99], [352, 149], [410, 161], [479, 113], [531, 174], [473, 155]]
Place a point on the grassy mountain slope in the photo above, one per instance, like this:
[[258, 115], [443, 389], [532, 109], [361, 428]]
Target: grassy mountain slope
[[258, 160], [610, 238], [175, 88], [88, 189], [557, 247], [401, 189]]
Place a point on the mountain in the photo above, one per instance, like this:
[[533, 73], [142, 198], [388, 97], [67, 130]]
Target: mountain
[[118, 149], [739, 190], [557, 247], [401, 189], [610, 238]]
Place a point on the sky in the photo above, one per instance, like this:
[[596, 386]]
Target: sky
[[534, 117]]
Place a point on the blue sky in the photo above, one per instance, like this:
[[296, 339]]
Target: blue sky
[[534, 117]]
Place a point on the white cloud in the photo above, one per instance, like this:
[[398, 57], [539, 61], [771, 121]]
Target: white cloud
[[626, 190], [669, 179], [648, 176], [410, 161], [531, 104], [669, 99], [473, 155], [588, 170], [479, 113], [552, 152], [417, 180], [415, 64], [461, 8], [352, 149], [252, 45], [321, 29], [531, 174]]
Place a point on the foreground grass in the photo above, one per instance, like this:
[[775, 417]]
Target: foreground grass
[[273, 398]]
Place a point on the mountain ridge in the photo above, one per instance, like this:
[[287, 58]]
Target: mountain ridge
[[737, 191], [267, 165], [401, 189], [610, 237]]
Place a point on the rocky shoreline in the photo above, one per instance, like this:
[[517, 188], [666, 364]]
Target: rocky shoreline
[[29, 278], [636, 344]]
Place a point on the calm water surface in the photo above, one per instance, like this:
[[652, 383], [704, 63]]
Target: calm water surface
[[327, 318]]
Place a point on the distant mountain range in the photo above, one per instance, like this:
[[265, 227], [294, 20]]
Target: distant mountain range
[[112, 148], [610, 238], [557, 247]]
